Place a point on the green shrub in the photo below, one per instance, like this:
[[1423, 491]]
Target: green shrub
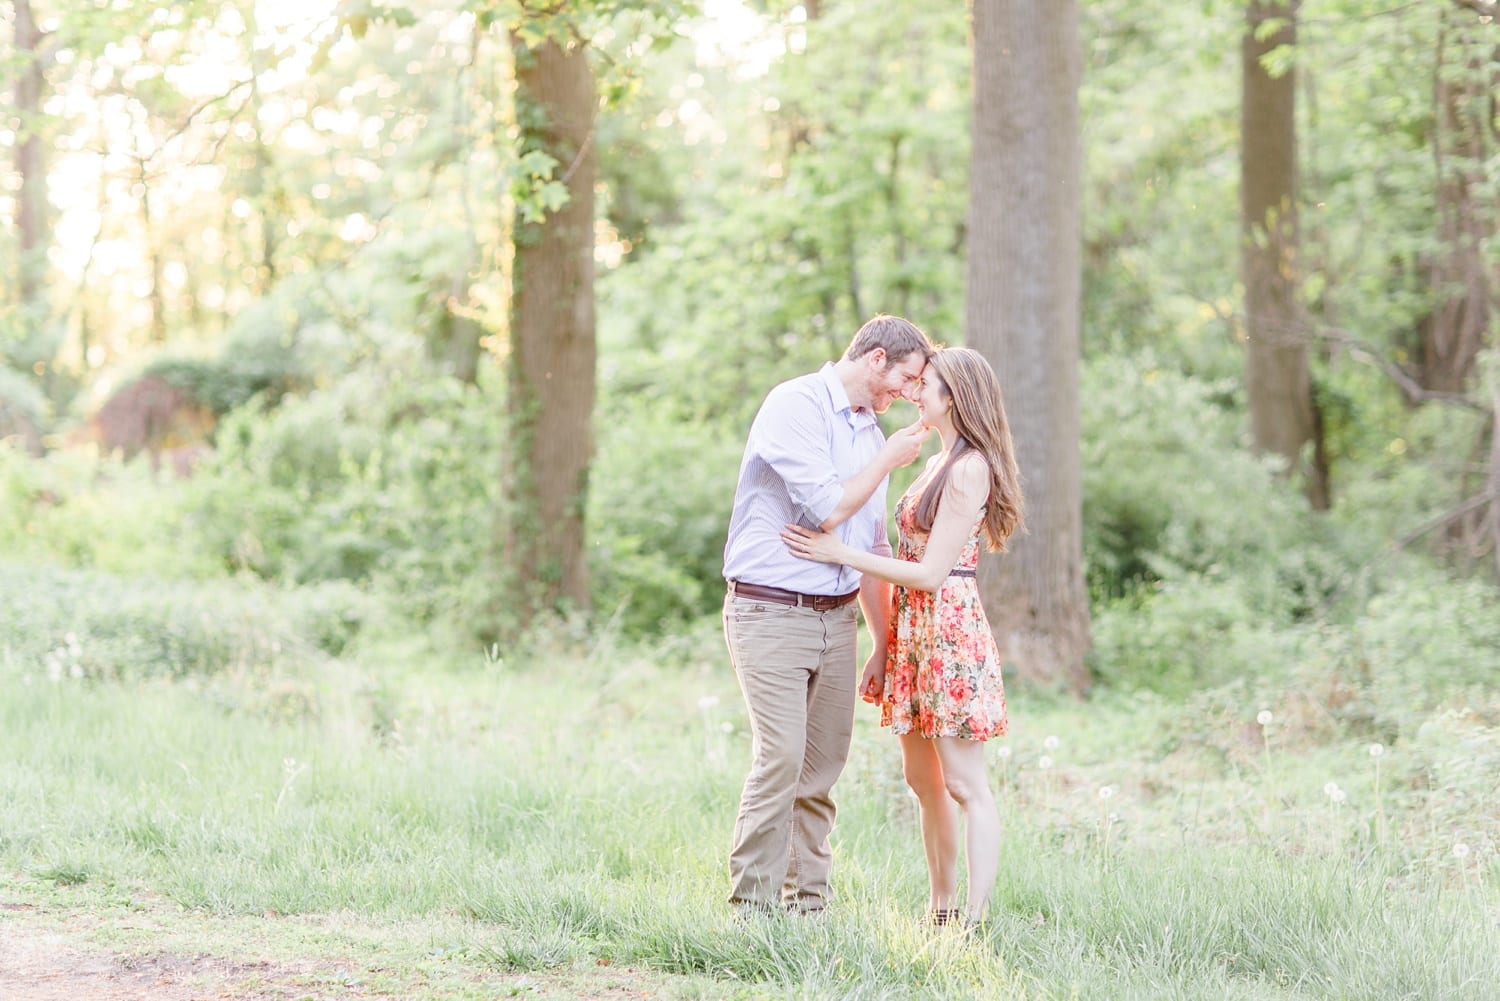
[[1169, 491], [77, 509], [375, 480], [1176, 637], [23, 410], [1421, 641], [74, 624], [659, 504]]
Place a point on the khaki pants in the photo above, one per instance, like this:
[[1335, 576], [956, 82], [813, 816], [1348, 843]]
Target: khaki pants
[[796, 668]]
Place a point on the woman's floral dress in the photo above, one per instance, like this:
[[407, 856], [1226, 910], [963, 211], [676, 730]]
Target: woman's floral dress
[[942, 672]]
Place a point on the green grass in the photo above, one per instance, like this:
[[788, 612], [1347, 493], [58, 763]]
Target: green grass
[[558, 810]]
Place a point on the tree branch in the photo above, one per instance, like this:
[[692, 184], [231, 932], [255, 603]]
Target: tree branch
[[204, 105], [583, 150], [1493, 378], [1413, 391], [1446, 518], [1484, 8]]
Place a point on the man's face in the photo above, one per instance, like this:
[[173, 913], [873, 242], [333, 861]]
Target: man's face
[[889, 382]]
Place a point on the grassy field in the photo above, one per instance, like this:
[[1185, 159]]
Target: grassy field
[[554, 823]]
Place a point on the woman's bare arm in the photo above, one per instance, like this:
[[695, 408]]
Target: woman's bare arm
[[964, 497]]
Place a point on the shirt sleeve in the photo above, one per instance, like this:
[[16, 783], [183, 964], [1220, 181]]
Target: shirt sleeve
[[792, 436], [881, 544]]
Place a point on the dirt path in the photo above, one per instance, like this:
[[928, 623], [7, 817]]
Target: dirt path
[[49, 954], [41, 965]]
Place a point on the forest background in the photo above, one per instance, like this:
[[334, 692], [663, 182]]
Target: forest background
[[375, 379]]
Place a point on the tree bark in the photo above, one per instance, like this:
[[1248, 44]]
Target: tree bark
[[31, 197], [552, 349], [1278, 381], [1463, 279], [263, 188], [155, 297], [1022, 312]]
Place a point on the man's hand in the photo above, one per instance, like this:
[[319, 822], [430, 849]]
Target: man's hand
[[872, 681], [903, 447]]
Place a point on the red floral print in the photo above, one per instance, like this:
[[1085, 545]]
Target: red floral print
[[942, 674]]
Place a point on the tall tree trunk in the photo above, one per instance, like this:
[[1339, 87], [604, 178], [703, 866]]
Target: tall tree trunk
[[552, 350], [155, 296], [454, 344], [31, 197], [1464, 279], [1023, 314], [1278, 382], [262, 188]]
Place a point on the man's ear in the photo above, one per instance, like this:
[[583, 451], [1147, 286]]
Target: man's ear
[[877, 360]]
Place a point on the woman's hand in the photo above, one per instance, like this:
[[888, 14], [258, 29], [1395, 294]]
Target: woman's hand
[[872, 681], [820, 547]]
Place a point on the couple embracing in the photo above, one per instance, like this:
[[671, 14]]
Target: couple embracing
[[807, 540]]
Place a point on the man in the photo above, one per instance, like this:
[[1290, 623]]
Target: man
[[816, 457]]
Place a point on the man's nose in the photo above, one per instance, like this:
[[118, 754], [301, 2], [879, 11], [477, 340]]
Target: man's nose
[[912, 392]]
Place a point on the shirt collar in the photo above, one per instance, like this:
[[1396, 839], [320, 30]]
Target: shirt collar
[[838, 398]]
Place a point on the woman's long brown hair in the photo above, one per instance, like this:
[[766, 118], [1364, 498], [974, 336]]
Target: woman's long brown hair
[[979, 418]]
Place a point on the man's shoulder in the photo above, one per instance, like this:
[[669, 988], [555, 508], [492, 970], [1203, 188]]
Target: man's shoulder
[[804, 390], [810, 383]]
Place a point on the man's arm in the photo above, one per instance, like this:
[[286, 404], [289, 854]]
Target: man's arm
[[791, 435], [875, 602], [901, 449], [958, 510]]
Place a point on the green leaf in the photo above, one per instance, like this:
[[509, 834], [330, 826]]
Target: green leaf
[[1270, 26], [553, 195], [537, 164]]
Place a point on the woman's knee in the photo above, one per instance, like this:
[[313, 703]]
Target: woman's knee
[[964, 776], [924, 780], [967, 790]]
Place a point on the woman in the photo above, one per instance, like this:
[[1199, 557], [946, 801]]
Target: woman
[[939, 689]]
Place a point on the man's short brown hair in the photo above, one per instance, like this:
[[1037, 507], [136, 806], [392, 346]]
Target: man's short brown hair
[[899, 338]]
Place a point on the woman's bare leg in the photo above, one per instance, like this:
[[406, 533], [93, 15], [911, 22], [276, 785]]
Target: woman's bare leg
[[939, 815], [967, 783]]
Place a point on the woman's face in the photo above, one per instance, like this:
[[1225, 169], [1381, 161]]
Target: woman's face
[[933, 402]]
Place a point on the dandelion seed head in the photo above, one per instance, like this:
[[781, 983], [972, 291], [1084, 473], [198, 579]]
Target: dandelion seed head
[[1045, 761], [1002, 752], [1333, 792], [1264, 717], [1376, 750], [707, 703], [727, 726], [1105, 792], [1051, 743], [1461, 850]]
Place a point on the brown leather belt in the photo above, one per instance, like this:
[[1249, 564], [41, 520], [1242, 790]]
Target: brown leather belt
[[817, 602]]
